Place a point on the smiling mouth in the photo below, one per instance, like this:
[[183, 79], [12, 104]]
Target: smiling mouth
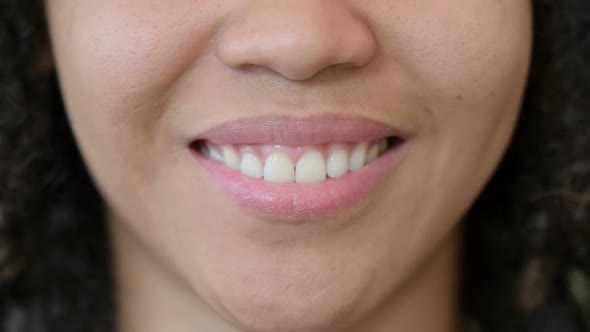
[[298, 168], [296, 164]]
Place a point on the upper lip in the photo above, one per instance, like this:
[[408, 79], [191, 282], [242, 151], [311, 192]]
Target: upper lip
[[283, 130]]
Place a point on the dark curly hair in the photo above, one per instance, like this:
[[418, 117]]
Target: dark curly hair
[[527, 241]]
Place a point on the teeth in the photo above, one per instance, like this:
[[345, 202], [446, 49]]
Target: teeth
[[338, 163], [310, 168], [279, 168], [383, 145], [251, 165], [373, 153], [214, 154], [231, 158], [358, 157]]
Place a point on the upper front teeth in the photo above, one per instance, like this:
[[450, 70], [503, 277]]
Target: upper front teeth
[[314, 164], [251, 165], [279, 168], [310, 168]]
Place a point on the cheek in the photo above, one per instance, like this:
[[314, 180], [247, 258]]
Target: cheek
[[468, 63], [127, 52], [117, 61], [460, 50]]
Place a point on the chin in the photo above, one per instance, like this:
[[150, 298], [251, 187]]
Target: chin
[[293, 314], [299, 304]]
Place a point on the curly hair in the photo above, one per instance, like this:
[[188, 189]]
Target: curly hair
[[527, 237], [54, 260]]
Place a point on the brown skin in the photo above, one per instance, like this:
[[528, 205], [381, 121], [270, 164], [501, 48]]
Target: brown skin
[[141, 77]]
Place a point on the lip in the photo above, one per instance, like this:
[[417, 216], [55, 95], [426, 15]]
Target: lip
[[314, 130], [295, 201]]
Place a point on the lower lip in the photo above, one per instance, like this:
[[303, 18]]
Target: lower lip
[[291, 201]]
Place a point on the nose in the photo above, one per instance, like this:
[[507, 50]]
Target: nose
[[295, 38]]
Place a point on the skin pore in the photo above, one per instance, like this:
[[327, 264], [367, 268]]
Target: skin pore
[[141, 78]]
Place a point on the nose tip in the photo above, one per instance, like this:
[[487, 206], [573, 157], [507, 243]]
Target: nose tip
[[296, 39]]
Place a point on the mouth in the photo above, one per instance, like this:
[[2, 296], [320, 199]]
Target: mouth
[[289, 168]]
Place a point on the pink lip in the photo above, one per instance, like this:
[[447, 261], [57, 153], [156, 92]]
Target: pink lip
[[298, 131], [300, 201]]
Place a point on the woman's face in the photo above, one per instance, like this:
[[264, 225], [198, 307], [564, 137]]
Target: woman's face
[[228, 138]]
